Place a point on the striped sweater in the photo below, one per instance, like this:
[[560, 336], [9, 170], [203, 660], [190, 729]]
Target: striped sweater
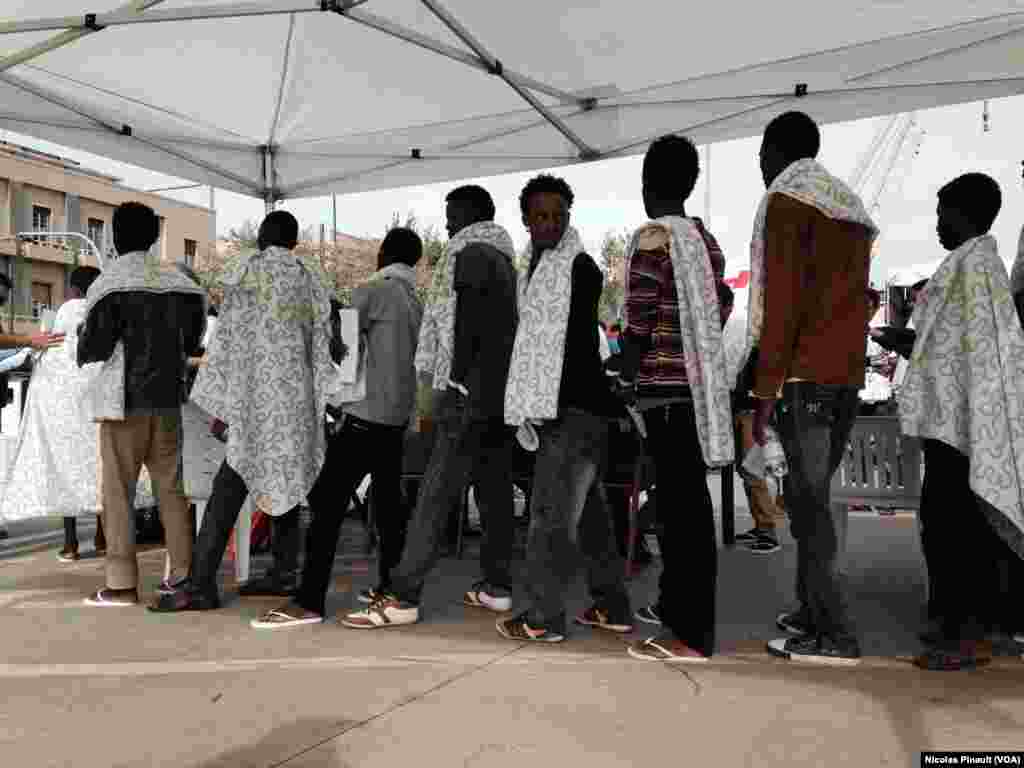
[[653, 349]]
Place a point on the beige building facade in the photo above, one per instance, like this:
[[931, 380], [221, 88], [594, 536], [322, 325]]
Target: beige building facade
[[42, 193]]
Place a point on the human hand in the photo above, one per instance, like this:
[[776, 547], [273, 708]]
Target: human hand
[[46, 340]]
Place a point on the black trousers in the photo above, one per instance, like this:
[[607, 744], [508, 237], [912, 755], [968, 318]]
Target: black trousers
[[357, 449], [229, 494], [967, 560], [686, 517]]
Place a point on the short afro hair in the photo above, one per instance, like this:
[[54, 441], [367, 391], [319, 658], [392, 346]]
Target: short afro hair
[[82, 277], [977, 196], [671, 166], [476, 198], [545, 183], [400, 246], [795, 135], [136, 227], [279, 228]]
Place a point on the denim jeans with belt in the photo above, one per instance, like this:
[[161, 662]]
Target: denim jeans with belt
[[569, 513], [814, 422]]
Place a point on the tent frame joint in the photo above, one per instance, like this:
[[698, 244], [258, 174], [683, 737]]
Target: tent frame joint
[[416, 154], [126, 130], [91, 23], [496, 68], [800, 90]]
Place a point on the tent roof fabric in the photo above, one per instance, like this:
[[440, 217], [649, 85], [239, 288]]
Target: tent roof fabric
[[300, 98]]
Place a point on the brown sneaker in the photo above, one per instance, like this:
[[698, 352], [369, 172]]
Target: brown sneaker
[[69, 554], [385, 611], [598, 617]]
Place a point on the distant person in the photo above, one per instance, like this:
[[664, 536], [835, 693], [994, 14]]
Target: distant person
[[54, 469], [371, 436], [142, 322], [810, 257], [465, 345], [614, 336], [971, 499], [674, 369]]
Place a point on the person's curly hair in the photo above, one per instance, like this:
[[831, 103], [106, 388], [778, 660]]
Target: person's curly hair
[[545, 183]]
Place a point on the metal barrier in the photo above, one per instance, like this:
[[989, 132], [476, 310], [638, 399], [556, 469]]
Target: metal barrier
[[880, 467]]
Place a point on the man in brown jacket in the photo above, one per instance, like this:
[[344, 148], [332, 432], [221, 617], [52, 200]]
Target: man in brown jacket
[[809, 260]]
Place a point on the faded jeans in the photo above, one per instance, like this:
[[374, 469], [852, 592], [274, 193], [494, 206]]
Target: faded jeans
[[465, 448], [569, 514], [814, 423]]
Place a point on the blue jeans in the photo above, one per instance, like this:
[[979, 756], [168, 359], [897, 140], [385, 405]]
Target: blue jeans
[[569, 514], [814, 423]]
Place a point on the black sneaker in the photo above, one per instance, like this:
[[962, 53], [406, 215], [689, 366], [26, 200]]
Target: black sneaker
[[519, 629], [795, 623], [764, 544], [751, 535], [817, 650]]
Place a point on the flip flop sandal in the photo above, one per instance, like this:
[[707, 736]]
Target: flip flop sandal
[[651, 650], [283, 620]]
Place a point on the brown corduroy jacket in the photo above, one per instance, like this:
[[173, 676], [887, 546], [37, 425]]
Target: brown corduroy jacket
[[816, 312]]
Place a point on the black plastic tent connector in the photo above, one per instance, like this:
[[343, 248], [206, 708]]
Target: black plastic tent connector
[[330, 5], [801, 90], [496, 68], [126, 130], [416, 154], [90, 22]]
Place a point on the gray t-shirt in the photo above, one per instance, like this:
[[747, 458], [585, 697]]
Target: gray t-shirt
[[389, 323]]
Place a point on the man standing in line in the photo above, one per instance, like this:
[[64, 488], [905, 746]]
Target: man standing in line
[[674, 368], [810, 257], [266, 381], [371, 436], [142, 322], [465, 345], [559, 398]]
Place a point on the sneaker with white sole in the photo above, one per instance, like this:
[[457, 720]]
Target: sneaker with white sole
[[385, 611], [481, 595], [519, 629], [817, 650]]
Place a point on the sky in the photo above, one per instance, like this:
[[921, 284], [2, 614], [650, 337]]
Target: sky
[[608, 192]]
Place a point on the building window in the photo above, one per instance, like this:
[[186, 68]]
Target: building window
[[40, 219], [95, 232], [42, 298], [190, 252]]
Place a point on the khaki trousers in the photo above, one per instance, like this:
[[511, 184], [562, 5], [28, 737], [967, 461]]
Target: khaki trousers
[[153, 440], [763, 507]]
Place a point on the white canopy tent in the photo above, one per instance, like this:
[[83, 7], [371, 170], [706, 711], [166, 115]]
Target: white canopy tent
[[300, 98]]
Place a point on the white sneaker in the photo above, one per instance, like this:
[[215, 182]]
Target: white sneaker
[[479, 597], [385, 611]]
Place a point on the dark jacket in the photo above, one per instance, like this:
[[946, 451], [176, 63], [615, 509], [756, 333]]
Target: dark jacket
[[486, 316], [584, 384], [159, 332]]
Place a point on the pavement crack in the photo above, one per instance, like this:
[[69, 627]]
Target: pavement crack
[[404, 702], [698, 689]]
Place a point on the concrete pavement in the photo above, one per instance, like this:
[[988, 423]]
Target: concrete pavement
[[121, 687]]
